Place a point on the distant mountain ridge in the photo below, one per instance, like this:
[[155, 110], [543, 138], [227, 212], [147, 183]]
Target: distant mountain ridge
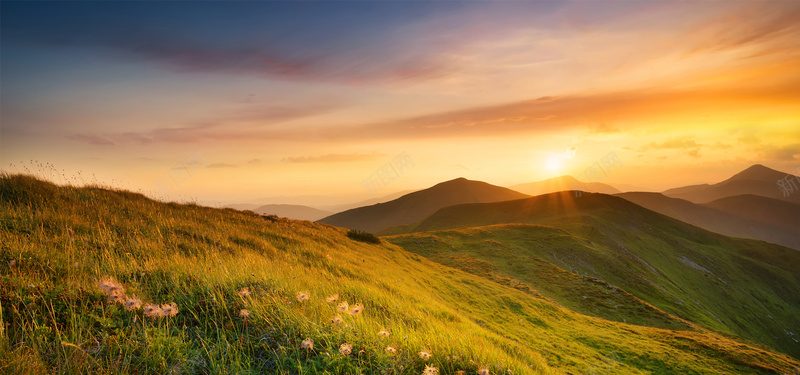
[[744, 216], [416, 206], [292, 211], [755, 180], [562, 183]]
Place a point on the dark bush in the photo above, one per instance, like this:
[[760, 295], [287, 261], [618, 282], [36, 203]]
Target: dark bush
[[363, 236]]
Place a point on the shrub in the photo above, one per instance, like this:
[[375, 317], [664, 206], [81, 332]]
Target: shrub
[[363, 236]]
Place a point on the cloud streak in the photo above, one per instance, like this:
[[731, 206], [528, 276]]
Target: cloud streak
[[332, 158]]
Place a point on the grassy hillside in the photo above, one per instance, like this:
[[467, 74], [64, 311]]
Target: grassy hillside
[[80, 266], [501, 253], [743, 287], [744, 216], [416, 206]]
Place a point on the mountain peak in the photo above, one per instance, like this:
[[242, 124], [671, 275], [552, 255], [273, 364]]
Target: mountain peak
[[420, 204], [757, 172]]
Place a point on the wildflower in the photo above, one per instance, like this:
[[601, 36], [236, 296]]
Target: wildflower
[[115, 297], [332, 298], [12, 263], [345, 349], [132, 303], [357, 309], [343, 307], [483, 371], [152, 310], [390, 350], [307, 344], [243, 313], [169, 310], [336, 319], [109, 286], [244, 292], [383, 332], [302, 296], [425, 355], [430, 370]]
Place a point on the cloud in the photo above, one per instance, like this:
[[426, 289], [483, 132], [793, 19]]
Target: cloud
[[604, 128], [672, 144], [332, 158], [348, 45], [777, 25], [222, 165], [629, 109], [749, 139], [241, 124], [91, 139], [782, 153]]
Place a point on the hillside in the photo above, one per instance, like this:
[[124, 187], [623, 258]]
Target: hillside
[[562, 183], [80, 266], [292, 211], [743, 287], [416, 206], [770, 211], [755, 180], [741, 216]]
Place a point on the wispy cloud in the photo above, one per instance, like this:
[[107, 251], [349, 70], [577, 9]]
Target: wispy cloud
[[243, 123], [783, 153], [778, 24], [332, 158], [318, 45], [96, 140], [221, 165], [672, 144]]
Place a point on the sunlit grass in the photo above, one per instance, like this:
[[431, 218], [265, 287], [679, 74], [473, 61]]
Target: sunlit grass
[[251, 294]]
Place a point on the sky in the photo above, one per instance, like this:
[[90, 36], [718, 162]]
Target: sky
[[329, 102]]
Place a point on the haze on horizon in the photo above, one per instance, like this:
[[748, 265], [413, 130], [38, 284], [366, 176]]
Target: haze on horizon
[[227, 102]]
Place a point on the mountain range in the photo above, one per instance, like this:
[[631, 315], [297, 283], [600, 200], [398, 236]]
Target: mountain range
[[755, 180], [562, 183]]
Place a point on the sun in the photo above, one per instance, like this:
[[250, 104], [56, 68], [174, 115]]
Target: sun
[[553, 163]]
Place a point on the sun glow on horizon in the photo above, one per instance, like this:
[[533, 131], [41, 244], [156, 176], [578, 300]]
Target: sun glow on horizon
[[554, 163]]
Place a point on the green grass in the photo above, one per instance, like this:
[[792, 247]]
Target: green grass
[[56, 243], [739, 287]]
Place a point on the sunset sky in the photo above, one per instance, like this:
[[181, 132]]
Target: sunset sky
[[238, 101]]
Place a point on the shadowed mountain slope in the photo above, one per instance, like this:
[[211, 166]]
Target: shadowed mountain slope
[[416, 206], [770, 211], [745, 216]]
